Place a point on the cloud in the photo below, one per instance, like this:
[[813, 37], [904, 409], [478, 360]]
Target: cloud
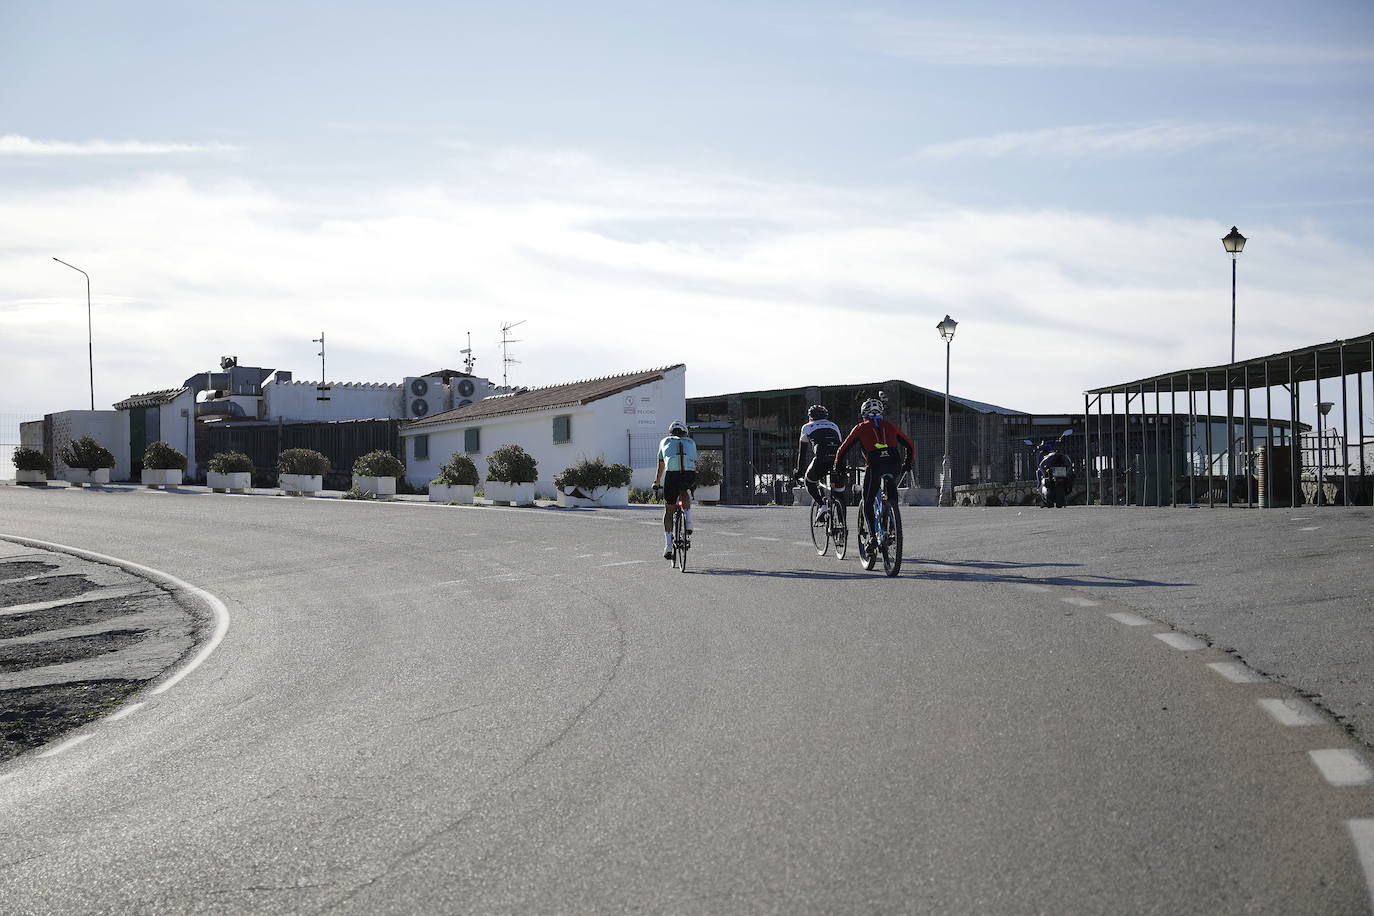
[[967, 44], [1099, 141], [15, 145], [754, 284]]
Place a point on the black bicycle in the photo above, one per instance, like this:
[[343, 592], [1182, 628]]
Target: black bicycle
[[888, 536], [831, 527], [682, 542]]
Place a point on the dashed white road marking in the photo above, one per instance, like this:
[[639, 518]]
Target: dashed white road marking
[[1310, 528], [760, 537], [126, 711], [1181, 641], [729, 534], [1342, 767], [1080, 601], [1237, 673], [1032, 587], [65, 746], [1293, 713], [1129, 619], [621, 563]]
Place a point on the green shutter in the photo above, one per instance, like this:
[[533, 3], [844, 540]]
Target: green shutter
[[562, 428], [472, 440]]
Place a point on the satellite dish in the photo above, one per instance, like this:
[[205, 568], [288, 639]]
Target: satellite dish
[[419, 387], [466, 388], [419, 407]]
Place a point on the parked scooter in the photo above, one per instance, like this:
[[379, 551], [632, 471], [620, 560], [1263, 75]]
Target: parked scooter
[[1054, 474]]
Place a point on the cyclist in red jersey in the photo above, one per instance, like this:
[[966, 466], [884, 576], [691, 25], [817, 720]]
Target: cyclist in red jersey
[[880, 441]]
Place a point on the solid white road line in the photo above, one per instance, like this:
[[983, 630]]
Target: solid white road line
[[1129, 619], [1181, 641], [1343, 767], [1237, 673], [218, 611], [1293, 713], [125, 711], [1362, 832], [65, 745]]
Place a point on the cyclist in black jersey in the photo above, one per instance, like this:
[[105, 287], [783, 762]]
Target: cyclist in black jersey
[[824, 437]]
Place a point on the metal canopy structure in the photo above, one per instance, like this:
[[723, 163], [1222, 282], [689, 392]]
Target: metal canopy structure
[[1236, 438]]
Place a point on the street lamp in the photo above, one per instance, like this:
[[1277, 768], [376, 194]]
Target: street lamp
[[90, 345], [1234, 243], [946, 329], [1323, 408]]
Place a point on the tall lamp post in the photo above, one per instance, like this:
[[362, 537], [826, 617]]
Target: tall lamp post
[[1234, 243], [946, 329], [90, 343]]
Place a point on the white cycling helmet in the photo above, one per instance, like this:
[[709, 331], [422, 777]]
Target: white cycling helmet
[[873, 408], [677, 428]]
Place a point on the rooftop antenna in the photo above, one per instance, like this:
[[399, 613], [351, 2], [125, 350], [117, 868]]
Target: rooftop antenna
[[468, 358], [320, 340], [506, 359]]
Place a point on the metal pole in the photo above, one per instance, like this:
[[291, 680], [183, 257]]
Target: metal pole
[[1269, 434], [1294, 440], [1249, 450], [1111, 424], [1321, 431], [90, 337], [1211, 498], [1087, 455], [1190, 440], [1233, 308], [1173, 426], [1345, 432], [946, 485]]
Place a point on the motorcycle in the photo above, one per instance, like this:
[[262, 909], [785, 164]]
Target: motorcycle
[[1054, 474]]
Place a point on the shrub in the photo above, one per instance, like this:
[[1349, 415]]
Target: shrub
[[458, 471], [643, 497], [162, 457], [512, 464], [356, 493], [708, 469], [589, 475], [31, 459], [305, 461], [87, 454], [231, 463], [379, 463]]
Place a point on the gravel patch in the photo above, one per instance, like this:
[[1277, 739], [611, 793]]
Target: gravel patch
[[49, 588], [33, 716], [62, 651], [18, 569]]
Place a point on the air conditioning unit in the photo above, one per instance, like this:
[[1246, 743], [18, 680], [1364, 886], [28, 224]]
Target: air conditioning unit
[[424, 396]]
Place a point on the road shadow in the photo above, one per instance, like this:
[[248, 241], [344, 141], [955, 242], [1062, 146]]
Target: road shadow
[[1083, 580], [786, 573]]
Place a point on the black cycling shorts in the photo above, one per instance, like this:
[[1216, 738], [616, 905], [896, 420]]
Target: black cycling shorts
[[674, 482]]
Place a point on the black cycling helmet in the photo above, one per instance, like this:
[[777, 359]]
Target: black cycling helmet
[[817, 412]]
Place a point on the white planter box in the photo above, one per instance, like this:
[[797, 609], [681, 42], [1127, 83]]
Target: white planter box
[[510, 494], [451, 493], [301, 484], [233, 482], [162, 477], [82, 477], [800, 496], [31, 478], [708, 494], [376, 486]]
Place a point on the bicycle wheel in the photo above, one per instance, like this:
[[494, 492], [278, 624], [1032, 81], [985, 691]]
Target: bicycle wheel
[[680, 542], [892, 540], [839, 530], [820, 530], [869, 560]]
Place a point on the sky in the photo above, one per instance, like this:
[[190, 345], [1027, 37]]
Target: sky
[[775, 194]]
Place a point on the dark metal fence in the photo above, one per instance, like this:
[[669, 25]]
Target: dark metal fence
[[342, 442]]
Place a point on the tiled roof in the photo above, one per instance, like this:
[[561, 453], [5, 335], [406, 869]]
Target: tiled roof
[[527, 400], [150, 399]]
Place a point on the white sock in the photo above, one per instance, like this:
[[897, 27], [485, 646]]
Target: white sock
[[667, 540], [687, 519]]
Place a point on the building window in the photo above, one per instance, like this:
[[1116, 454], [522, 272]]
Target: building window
[[562, 428], [421, 448], [472, 440]]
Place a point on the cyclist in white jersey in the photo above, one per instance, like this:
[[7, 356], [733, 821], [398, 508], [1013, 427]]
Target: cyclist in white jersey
[[824, 437], [676, 473]]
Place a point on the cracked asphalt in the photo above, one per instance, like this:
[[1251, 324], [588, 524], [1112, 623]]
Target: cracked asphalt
[[442, 709]]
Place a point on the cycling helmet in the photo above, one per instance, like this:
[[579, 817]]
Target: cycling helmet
[[872, 409], [677, 428], [817, 412]]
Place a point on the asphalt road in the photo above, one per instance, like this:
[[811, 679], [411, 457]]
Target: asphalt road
[[441, 709]]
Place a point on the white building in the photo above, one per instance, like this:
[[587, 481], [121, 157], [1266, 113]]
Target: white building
[[619, 418]]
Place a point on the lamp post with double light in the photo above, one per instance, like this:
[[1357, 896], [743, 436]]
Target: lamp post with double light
[[946, 329], [90, 342]]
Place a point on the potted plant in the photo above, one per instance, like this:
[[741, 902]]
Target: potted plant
[[230, 472], [88, 461], [31, 467], [163, 466], [375, 473], [708, 477], [301, 471], [511, 473], [593, 483], [457, 481]]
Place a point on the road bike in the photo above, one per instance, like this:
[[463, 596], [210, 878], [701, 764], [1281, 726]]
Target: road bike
[[682, 541], [888, 522], [830, 528]]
